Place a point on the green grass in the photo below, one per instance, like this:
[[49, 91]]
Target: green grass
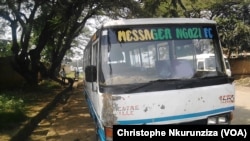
[[12, 110], [72, 75], [49, 84], [14, 103]]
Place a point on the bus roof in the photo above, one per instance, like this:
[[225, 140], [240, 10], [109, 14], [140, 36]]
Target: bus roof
[[140, 21]]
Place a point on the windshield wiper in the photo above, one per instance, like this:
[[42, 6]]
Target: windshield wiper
[[150, 83], [174, 83], [208, 77], [197, 80]]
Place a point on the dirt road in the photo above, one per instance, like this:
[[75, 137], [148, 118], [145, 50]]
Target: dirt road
[[242, 109], [68, 121]]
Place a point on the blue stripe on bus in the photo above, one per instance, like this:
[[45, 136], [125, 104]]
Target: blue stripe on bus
[[178, 117], [100, 130]]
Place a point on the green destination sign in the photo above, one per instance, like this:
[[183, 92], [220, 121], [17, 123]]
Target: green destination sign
[[134, 35]]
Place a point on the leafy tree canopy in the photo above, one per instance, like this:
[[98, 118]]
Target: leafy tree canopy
[[47, 29]]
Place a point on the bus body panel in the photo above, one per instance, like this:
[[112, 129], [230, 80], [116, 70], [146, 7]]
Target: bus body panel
[[162, 107], [173, 106], [94, 100]]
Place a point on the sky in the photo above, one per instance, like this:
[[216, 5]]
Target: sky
[[92, 24]]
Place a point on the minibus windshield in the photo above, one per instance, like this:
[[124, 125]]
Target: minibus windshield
[[137, 55]]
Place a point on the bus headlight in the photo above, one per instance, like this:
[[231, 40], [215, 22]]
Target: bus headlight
[[220, 119]]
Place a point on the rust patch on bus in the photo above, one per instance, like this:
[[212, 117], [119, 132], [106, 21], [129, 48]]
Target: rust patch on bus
[[107, 112]]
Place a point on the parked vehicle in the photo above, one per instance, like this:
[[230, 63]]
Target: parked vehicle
[[145, 71], [206, 62]]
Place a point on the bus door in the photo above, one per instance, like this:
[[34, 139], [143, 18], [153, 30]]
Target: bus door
[[91, 83]]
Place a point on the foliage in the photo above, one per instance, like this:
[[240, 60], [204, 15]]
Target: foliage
[[232, 16], [5, 48], [10, 104], [163, 8], [11, 110], [233, 24], [233, 33], [49, 84], [15, 103], [48, 30], [72, 75]]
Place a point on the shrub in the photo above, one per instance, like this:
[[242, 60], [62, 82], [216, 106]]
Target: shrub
[[11, 110]]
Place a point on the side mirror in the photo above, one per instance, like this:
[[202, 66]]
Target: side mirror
[[90, 73]]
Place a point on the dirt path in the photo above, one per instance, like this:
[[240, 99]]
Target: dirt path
[[68, 121], [242, 105]]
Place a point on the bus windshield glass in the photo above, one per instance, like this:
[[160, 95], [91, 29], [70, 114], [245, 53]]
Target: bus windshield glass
[[142, 54]]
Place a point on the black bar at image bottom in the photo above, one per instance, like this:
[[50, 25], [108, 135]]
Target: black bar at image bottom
[[194, 132]]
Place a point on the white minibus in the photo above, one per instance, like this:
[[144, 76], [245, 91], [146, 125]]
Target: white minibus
[[145, 72]]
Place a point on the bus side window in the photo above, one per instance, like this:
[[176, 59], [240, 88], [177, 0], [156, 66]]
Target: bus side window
[[116, 55], [90, 73]]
